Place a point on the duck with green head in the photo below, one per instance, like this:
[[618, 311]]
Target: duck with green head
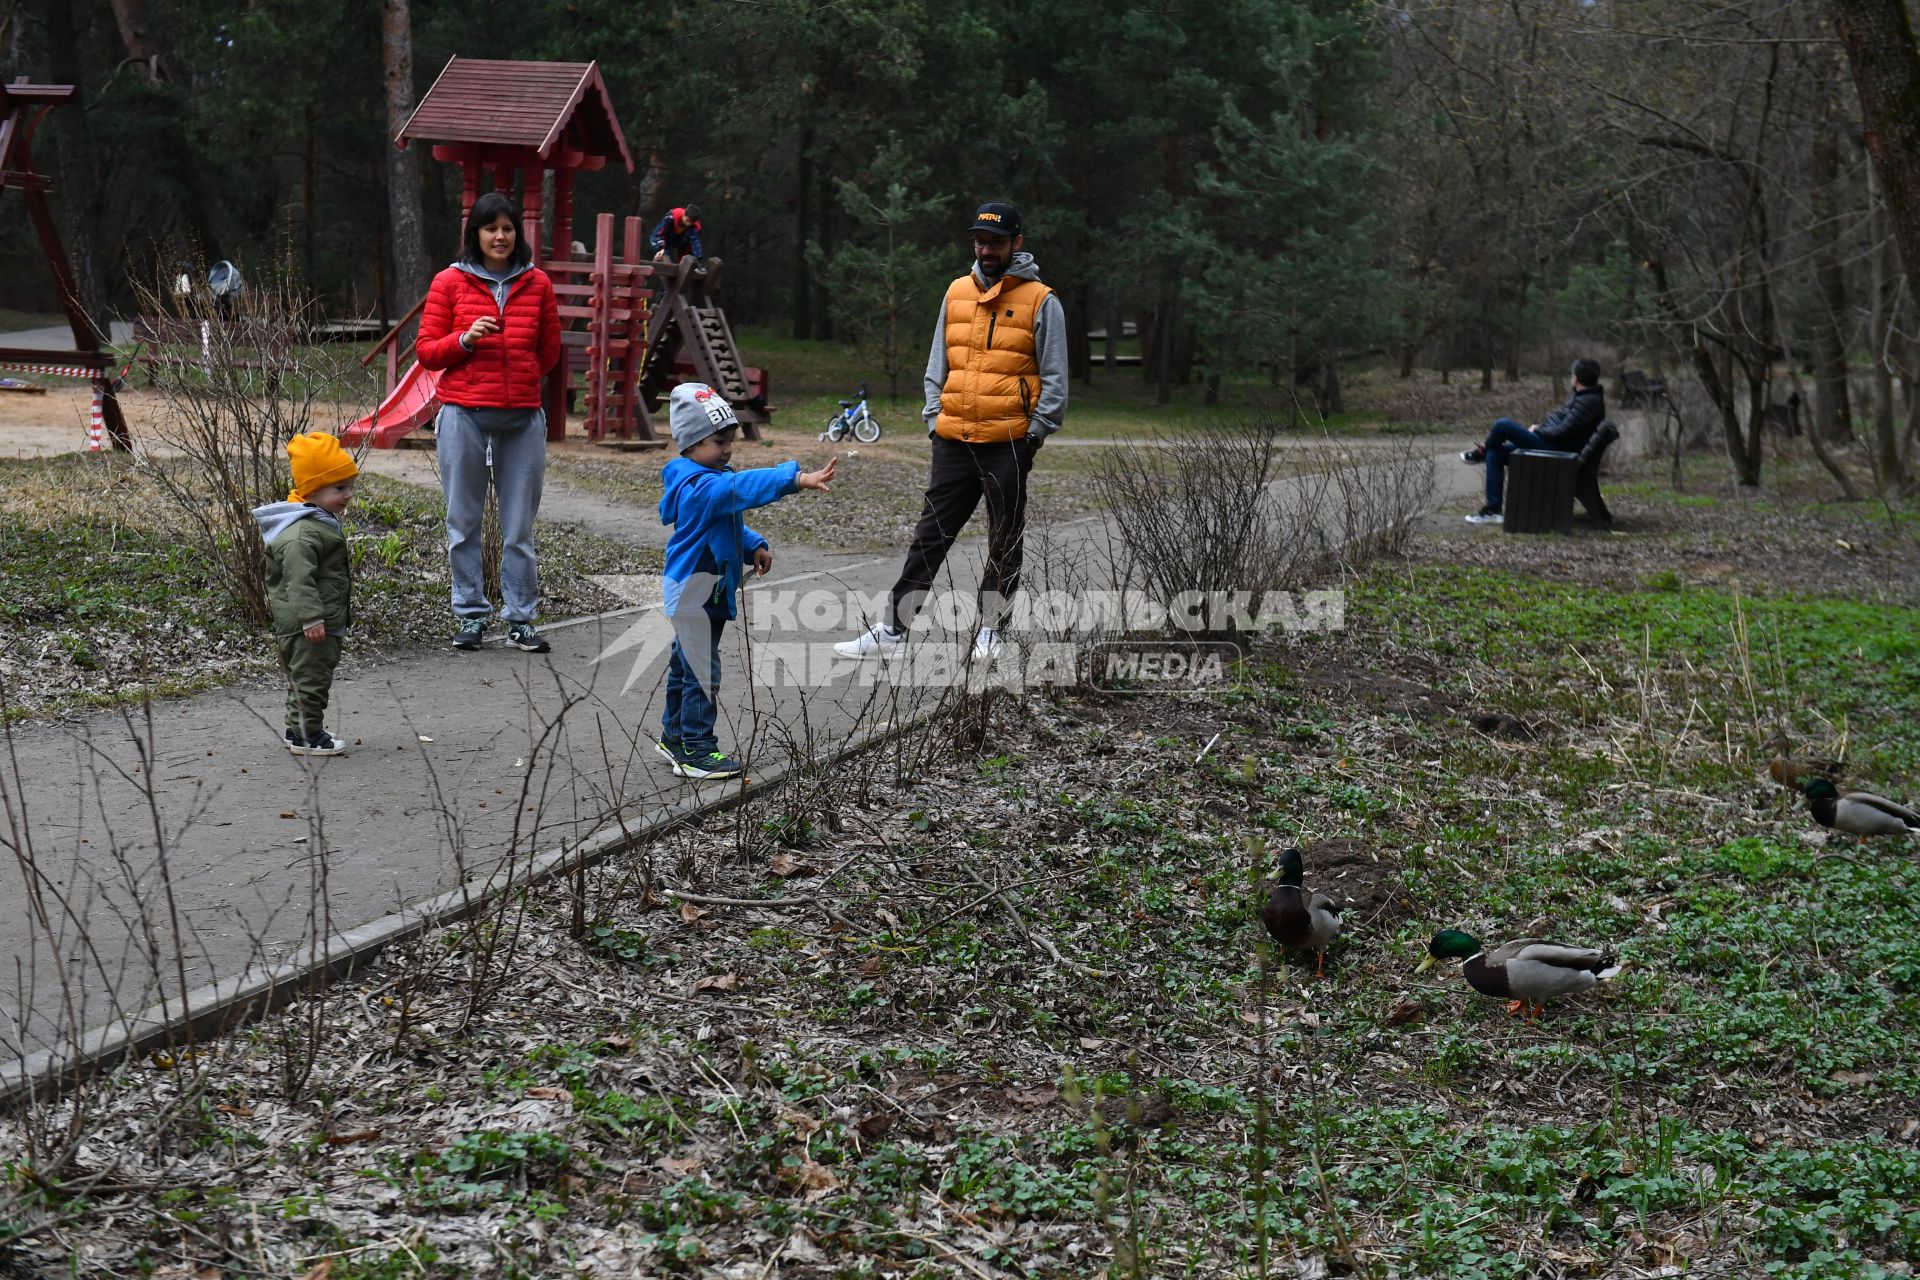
[[1528, 972], [1296, 919], [1859, 813]]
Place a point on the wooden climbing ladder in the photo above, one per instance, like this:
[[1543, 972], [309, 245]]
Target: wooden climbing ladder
[[689, 340]]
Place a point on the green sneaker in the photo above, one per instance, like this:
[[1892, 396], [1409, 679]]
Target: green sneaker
[[703, 768], [669, 748], [471, 631]]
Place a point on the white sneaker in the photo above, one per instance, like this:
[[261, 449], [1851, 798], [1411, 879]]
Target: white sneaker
[[320, 744], [877, 641], [986, 645]]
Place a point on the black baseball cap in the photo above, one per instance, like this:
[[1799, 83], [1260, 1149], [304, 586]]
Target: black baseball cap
[[997, 217]]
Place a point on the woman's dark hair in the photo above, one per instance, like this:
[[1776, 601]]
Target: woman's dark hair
[[486, 210]]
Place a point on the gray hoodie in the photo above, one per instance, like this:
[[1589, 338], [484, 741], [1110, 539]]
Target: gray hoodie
[[276, 518], [1049, 352], [499, 284]]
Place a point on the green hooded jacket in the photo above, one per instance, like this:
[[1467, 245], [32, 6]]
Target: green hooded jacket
[[309, 572]]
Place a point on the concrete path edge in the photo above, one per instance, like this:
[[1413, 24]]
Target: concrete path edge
[[215, 1009]]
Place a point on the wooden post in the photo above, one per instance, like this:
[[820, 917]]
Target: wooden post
[[633, 297], [530, 209], [562, 215], [600, 327], [469, 183]]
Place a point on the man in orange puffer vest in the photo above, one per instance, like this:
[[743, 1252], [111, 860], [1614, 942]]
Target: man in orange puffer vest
[[996, 388]]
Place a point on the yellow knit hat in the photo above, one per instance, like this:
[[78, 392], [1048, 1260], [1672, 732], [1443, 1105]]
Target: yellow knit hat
[[318, 461]]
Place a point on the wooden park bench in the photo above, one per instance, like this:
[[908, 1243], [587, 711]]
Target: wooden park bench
[[178, 341], [1542, 484]]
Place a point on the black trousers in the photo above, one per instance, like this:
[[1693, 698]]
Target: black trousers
[[962, 475]]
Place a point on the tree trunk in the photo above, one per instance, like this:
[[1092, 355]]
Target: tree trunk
[[1847, 491], [1878, 38], [142, 49], [803, 237], [1517, 334], [66, 156], [1910, 383], [1163, 353], [1331, 401], [1150, 342], [403, 166], [306, 198], [1079, 346], [1889, 474], [1486, 342], [822, 312], [1552, 301], [1293, 362], [1833, 417], [382, 268], [1183, 356]]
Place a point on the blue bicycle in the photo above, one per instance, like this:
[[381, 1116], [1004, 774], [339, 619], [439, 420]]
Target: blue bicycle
[[854, 419]]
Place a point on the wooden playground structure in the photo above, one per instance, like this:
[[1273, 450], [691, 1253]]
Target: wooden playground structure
[[632, 328], [22, 107]]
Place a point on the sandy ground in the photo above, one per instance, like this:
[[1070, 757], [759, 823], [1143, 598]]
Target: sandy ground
[[39, 426]]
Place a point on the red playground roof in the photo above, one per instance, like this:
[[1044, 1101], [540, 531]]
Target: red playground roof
[[536, 105]]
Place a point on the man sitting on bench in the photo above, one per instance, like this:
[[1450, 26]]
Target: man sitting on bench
[[1565, 430]]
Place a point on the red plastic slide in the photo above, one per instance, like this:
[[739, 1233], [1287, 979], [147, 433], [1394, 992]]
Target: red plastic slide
[[410, 407]]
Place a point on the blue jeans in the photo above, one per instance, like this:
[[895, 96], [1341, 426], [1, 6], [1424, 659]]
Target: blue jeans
[[692, 686], [1506, 436], [517, 439]]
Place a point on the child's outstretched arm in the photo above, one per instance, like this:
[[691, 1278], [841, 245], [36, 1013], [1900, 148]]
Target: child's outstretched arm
[[757, 553]]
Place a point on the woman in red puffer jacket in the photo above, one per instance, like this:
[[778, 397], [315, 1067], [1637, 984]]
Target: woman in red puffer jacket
[[492, 327]]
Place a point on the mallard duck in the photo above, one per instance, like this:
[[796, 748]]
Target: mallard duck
[[1793, 772], [1296, 919], [1532, 969], [1859, 813]]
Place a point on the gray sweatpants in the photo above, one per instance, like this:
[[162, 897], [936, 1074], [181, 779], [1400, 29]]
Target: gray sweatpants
[[518, 439]]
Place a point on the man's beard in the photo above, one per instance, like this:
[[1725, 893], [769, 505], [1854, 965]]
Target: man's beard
[[993, 268]]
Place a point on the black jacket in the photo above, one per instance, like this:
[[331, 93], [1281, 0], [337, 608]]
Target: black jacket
[[1569, 427]]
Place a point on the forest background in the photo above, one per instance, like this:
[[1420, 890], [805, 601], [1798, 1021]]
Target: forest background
[[1259, 186]]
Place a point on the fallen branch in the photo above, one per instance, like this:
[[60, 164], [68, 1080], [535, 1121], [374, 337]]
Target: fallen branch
[[708, 900], [1039, 940]]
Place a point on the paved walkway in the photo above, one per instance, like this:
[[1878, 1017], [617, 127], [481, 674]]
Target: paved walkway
[[457, 759]]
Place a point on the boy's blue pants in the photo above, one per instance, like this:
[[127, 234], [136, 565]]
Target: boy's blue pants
[[693, 681]]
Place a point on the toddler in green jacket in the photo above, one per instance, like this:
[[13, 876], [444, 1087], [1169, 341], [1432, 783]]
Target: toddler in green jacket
[[309, 579]]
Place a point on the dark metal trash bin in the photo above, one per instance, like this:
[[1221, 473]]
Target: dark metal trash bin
[[1540, 491]]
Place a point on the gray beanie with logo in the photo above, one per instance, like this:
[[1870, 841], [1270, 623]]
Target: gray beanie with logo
[[695, 412]]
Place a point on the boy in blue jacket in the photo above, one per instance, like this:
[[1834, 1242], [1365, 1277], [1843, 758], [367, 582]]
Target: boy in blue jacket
[[710, 544]]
